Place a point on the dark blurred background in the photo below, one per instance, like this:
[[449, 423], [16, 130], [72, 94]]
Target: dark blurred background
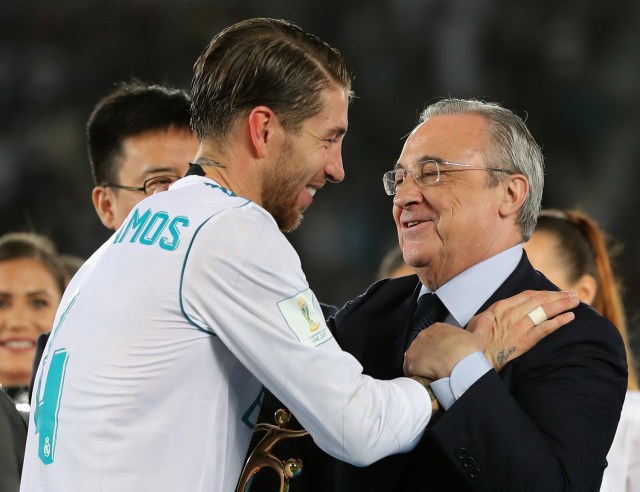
[[571, 68]]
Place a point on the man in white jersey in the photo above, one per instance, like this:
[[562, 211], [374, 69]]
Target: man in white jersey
[[163, 340]]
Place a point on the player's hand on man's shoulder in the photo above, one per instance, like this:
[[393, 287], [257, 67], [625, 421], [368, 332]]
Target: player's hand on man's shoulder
[[506, 330], [512, 326]]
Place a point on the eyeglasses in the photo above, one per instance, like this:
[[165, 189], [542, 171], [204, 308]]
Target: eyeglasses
[[427, 173], [150, 186]]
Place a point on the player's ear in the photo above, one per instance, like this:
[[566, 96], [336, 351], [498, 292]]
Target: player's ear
[[265, 131]]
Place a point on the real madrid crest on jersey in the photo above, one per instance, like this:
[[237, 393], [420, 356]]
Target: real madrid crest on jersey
[[304, 317]]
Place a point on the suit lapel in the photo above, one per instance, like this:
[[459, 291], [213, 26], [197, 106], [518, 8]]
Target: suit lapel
[[387, 338], [374, 331]]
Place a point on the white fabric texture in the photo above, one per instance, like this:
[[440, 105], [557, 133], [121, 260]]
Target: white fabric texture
[[623, 472]]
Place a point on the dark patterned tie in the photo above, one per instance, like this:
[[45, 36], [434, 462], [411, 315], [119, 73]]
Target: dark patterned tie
[[429, 310]]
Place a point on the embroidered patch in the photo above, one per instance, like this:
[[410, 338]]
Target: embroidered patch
[[303, 315]]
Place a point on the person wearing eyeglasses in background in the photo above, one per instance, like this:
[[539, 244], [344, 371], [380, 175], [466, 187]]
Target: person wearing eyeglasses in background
[[140, 141], [570, 248], [466, 191]]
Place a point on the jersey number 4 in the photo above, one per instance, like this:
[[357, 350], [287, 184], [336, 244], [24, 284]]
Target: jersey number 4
[[46, 412], [45, 415]]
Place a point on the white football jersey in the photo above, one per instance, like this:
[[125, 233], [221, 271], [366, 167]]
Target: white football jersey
[[153, 373]]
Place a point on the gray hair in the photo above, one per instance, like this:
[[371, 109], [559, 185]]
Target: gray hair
[[511, 147]]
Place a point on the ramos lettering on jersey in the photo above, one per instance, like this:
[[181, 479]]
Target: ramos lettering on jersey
[[151, 228]]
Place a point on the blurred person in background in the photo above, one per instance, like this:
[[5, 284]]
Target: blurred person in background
[[569, 248], [393, 265], [140, 141], [32, 280]]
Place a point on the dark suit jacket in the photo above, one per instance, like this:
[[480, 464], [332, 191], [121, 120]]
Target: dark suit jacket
[[545, 423], [13, 438]]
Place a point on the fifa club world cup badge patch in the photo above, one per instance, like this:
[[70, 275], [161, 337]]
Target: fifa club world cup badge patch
[[303, 315]]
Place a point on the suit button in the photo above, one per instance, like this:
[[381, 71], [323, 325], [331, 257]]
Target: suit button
[[461, 453], [474, 472], [468, 461]]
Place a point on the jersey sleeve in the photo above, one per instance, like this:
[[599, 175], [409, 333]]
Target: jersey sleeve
[[243, 282]]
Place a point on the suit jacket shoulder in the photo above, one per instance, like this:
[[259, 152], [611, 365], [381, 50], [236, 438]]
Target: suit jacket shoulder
[[547, 420]]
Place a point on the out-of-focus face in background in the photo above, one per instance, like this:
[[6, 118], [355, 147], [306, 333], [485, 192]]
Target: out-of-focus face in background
[[148, 155], [29, 298], [544, 252]]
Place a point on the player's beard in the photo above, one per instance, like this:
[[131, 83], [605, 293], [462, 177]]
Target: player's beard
[[280, 191]]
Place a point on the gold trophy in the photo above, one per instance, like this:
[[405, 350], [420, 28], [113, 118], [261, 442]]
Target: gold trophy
[[262, 455]]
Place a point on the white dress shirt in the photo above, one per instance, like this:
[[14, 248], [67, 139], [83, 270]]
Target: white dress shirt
[[463, 295]]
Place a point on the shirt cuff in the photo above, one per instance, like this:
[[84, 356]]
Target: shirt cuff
[[464, 375]]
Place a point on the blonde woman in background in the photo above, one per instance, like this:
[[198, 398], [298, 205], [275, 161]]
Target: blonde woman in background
[[570, 249]]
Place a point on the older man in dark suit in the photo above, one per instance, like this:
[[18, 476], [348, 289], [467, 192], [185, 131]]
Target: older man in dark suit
[[467, 190]]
